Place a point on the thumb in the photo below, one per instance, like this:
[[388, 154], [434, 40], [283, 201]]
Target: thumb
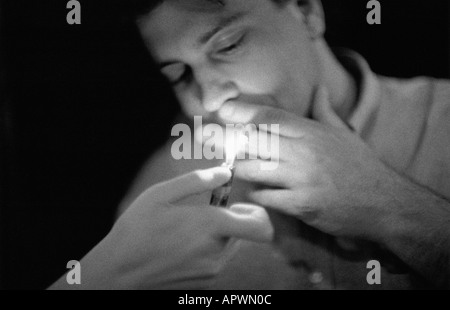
[[193, 183], [247, 222], [323, 111]]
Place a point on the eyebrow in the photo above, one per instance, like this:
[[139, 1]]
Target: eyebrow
[[223, 23]]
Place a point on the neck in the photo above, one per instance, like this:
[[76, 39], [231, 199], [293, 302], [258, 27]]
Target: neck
[[340, 83]]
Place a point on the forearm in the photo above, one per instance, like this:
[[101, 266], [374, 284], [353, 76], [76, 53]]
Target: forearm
[[419, 231], [96, 272]]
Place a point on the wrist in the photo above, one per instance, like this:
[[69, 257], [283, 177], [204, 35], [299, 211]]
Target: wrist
[[98, 271], [399, 204], [412, 213]]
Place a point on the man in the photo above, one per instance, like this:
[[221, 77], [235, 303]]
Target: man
[[364, 168]]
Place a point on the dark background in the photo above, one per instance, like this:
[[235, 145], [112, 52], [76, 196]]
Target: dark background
[[82, 107]]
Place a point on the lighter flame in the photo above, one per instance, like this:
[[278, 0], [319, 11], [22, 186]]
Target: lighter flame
[[234, 144]]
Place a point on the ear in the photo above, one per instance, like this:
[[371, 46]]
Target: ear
[[314, 17]]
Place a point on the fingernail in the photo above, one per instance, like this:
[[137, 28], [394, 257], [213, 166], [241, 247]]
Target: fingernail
[[223, 171]]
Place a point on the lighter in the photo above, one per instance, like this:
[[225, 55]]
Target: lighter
[[221, 195]]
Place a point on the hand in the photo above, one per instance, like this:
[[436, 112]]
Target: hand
[[159, 245], [327, 176]]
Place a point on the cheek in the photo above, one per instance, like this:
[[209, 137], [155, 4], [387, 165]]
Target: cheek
[[260, 75], [190, 104], [295, 92], [259, 72], [299, 66], [274, 73]]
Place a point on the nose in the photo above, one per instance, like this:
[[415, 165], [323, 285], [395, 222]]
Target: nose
[[214, 89]]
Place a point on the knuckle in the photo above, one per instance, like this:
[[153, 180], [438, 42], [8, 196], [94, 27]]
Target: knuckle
[[201, 177], [307, 213], [197, 175], [310, 150]]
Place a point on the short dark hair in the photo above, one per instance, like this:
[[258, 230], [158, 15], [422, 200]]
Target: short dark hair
[[138, 8]]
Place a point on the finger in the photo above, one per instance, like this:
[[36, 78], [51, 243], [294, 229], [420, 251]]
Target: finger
[[256, 171], [243, 209], [277, 121], [215, 139], [251, 143], [196, 182], [245, 222], [299, 204], [323, 111]]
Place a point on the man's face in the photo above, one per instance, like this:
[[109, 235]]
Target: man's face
[[250, 51]]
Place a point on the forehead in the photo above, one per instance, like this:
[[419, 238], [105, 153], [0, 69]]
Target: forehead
[[176, 24]]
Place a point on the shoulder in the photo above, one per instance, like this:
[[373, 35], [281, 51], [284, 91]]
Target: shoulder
[[419, 102], [417, 89], [424, 90], [405, 113], [413, 126]]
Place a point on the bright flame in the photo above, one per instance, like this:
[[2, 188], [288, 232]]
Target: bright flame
[[234, 144]]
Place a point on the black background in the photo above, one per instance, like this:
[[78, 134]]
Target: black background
[[82, 108]]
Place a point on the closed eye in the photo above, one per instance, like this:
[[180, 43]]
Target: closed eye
[[176, 73], [229, 48]]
